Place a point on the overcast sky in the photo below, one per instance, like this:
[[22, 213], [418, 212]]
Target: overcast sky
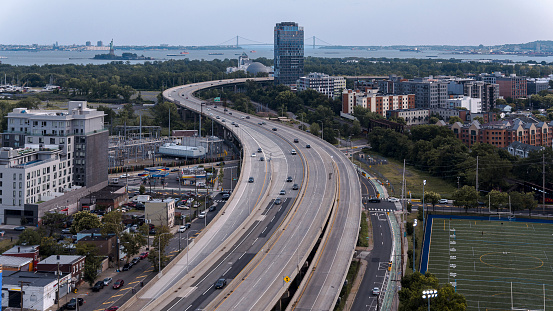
[[212, 22]]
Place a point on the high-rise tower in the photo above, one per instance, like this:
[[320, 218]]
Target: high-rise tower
[[288, 53]]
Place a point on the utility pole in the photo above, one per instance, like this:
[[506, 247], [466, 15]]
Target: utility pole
[[477, 177], [58, 284], [21, 283], [543, 182]]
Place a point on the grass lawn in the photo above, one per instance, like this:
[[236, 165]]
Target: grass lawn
[[485, 258], [393, 172]]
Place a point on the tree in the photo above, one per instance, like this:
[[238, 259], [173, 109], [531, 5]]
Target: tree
[[314, 128], [432, 198], [521, 201], [455, 119], [131, 243], [498, 199], [49, 246], [30, 237], [465, 197], [159, 243], [142, 189], [84, 220], [410, 295], [53, 222], [92, 261]]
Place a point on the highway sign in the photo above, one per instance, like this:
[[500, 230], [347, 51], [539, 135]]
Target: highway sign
[[286, 279]]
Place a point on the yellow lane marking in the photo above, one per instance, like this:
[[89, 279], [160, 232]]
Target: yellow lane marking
[[133, 282]]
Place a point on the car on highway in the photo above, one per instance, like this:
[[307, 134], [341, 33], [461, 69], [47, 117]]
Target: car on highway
[[376, 291], [220, 283], [182, 229], [72, 304], [213, 208], [250, 180], [260, 123], [112, 308], [19, 228], [259, 150], [374, 200], [118, 284], [295, 187], [247, 117], [392, 199], [254, 155], [225, 196], [223, 120], [282, 192], [443, 201], [124, 176], [293, 152], [289, 179], [307, 146], [217, 117], [261, 158], [278, 201], [274, 129], [296, 140], [107, 281], [143, 255], [98, 286], [202, 214]]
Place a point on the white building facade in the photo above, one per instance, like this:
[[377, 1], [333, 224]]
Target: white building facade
[[331, 86]]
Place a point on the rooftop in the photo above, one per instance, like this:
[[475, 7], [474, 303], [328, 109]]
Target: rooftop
[[63, 259]]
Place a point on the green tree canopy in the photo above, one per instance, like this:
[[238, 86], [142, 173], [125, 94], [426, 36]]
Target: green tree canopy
[[84, 220]]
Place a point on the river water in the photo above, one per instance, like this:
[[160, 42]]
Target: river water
[[85, 57]]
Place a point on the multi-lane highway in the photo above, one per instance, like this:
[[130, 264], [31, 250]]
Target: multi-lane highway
[[254, 244]]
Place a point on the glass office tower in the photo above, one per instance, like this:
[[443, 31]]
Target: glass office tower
[[288, 53]]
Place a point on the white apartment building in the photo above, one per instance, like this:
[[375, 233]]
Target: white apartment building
[[474, 105], [44, 160], [161, 212], [329, 85]]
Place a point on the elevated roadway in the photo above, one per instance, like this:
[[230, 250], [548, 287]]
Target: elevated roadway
[[254, 245]]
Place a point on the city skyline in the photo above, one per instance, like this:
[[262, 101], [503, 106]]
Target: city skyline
[[396, 22]]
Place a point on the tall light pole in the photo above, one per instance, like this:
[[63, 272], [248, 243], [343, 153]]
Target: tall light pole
[[414, 241], [159, 253], [429, 293], [423, 206]]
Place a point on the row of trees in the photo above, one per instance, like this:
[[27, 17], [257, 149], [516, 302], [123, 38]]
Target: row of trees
[[111, 224], [436, 150]]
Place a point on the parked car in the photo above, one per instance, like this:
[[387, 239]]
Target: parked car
[[107, 281], [112, 308], [98, 286], [135, 260], [220, 283], [72, 304], [144, 255], [19, 228], [118, 284], [127, 266], [66, 231], [443, 201]]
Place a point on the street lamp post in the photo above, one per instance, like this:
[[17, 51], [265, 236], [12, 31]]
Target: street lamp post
[[423, 206], [429, 293], [159, 252], [414, 241]]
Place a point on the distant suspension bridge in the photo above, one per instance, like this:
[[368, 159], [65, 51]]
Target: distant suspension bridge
[[238, 40]]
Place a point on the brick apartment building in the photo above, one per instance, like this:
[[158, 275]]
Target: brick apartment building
[[375, 102]]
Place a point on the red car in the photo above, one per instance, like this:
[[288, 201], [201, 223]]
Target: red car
[[144, 255], [119, 283], [113, 308]]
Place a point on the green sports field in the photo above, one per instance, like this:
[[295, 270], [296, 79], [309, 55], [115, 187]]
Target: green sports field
[[484, 257]]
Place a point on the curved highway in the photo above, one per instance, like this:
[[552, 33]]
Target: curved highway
[[254, 244]]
